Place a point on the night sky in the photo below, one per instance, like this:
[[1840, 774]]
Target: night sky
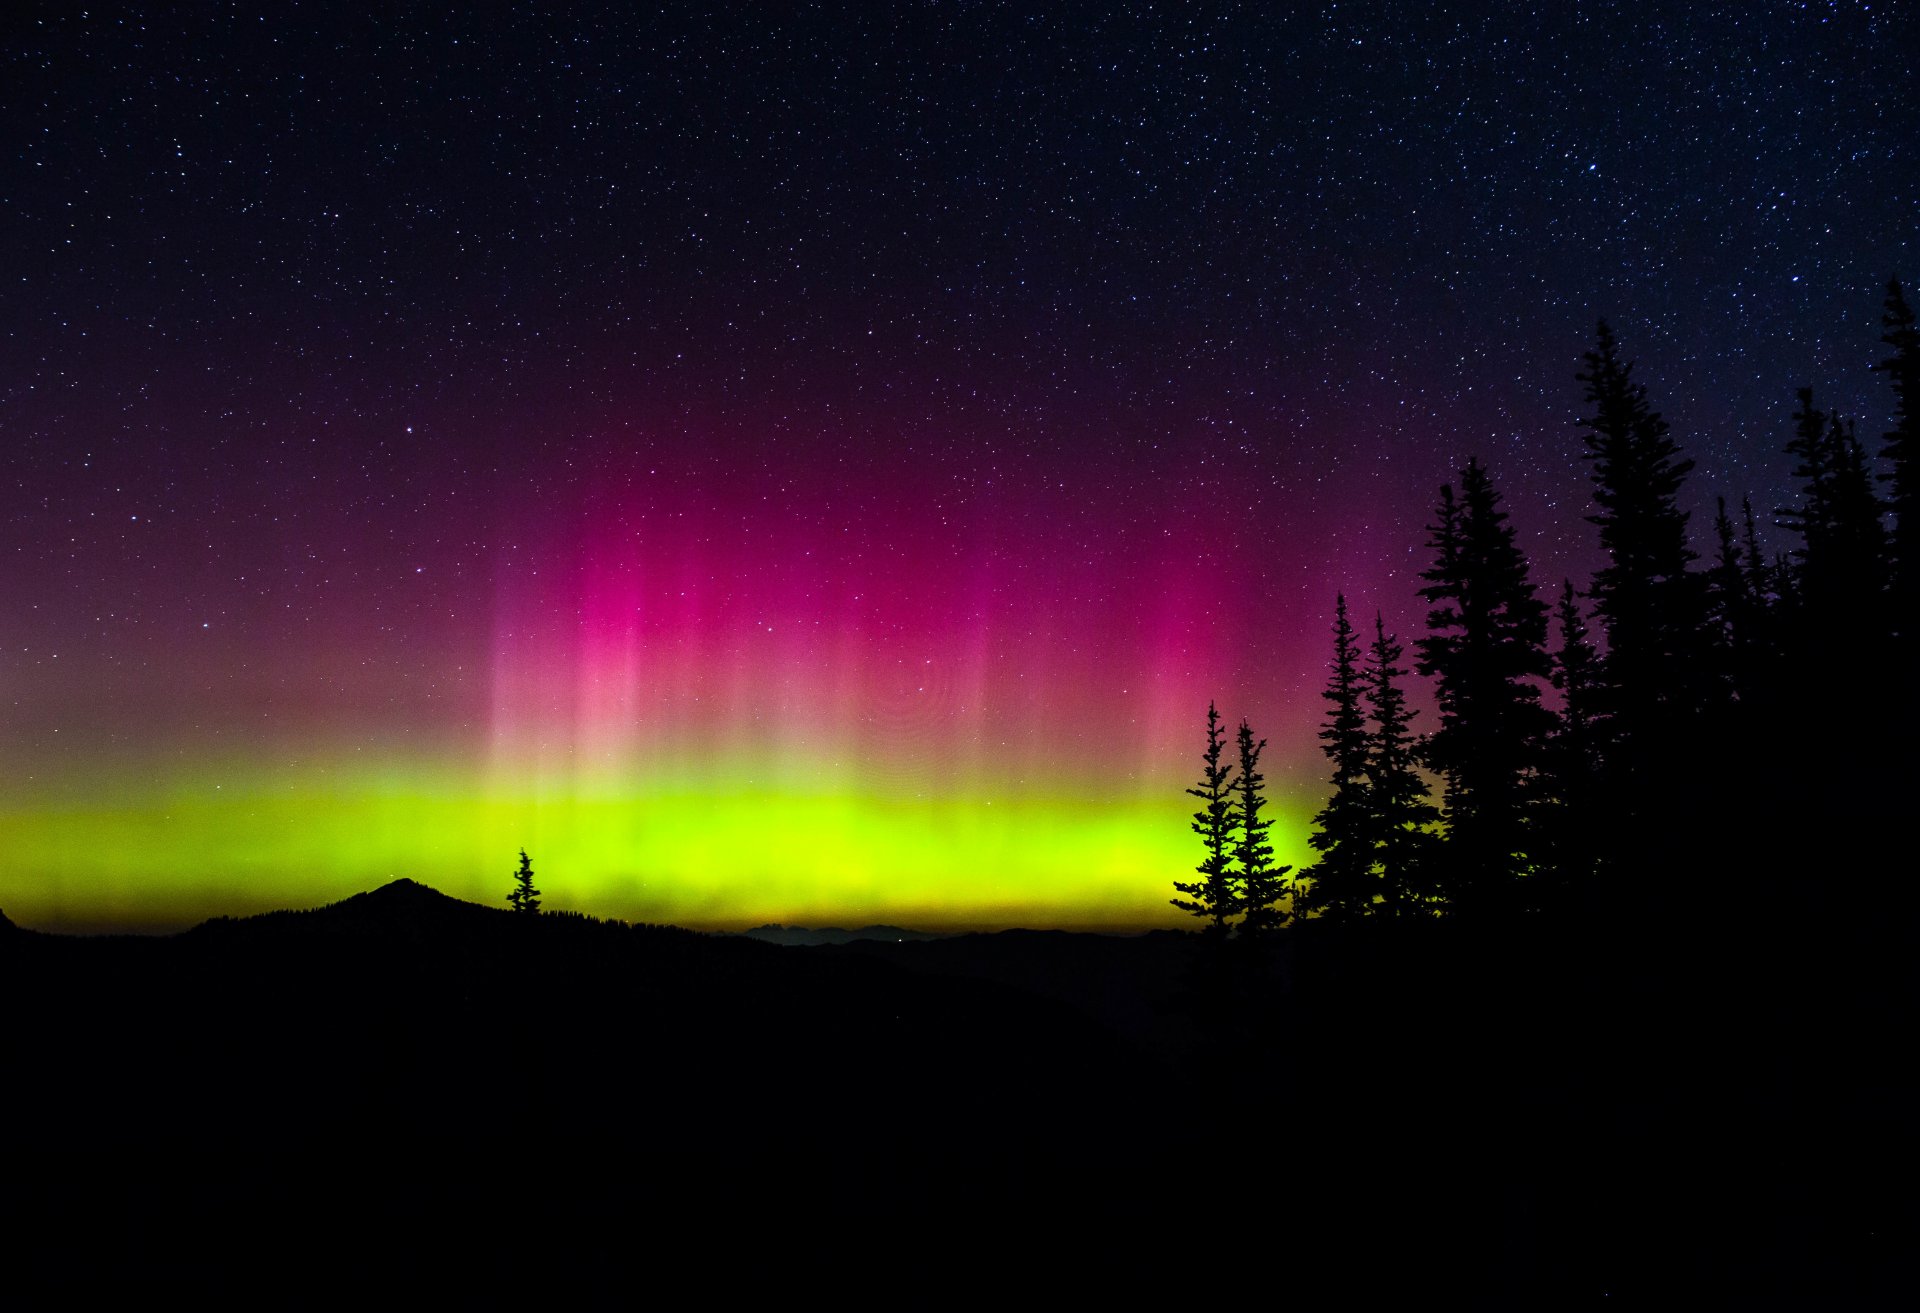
[[818, 468]]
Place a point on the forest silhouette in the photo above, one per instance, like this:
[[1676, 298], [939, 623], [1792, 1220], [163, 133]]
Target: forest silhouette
[[1598, 989]]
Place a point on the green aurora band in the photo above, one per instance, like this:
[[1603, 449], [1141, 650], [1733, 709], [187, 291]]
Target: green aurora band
[[709, 854]]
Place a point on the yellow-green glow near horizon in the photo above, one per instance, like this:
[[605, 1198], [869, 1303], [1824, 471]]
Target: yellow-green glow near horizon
[[704, 853], [895, 715]]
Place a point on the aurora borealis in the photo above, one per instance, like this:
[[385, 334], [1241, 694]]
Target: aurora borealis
[[819, 469]]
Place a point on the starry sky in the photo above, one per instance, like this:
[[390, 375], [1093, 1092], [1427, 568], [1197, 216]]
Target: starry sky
[[816, 464]]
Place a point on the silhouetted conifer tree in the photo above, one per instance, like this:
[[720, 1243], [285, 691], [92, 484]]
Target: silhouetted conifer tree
[[1262, 884], [1576, 676], [1860, 537], [1902, 369], [1808, 447], [1402, 817], [1573, 761], [1843, 544], [1831, 622], [1758, 643], [524, 897], [1485, 644], [1645, 598], [1342, 884], [1213, 897]]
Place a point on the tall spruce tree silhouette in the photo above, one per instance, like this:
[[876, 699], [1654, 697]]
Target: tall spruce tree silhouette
[[1644, 597], [1485, 645], [1651, 607], [1402, 817], [1836, 627], [1576, 676], [1213, 896], [1902, 450], [1812, 518], [1859, 537], [1341, 885], [1841, 559], [1573, 760], [1262, 884], [523, 897]]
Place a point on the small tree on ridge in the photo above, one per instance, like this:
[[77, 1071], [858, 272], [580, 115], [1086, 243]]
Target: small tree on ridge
[[524, 897], [1262, 884], [1213, 896]]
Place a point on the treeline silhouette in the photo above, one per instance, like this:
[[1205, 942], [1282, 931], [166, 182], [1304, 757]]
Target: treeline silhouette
[[1726, 734], [1599, 984]]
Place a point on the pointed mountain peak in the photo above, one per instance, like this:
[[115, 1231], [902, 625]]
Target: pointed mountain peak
[[403, 888], [401, 900]]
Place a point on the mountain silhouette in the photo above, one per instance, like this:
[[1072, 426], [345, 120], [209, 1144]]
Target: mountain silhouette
[[400, 907], [405, 902]]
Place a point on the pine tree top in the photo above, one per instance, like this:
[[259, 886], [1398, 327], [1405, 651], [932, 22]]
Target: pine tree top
[[1638, 472], [1343, 737]]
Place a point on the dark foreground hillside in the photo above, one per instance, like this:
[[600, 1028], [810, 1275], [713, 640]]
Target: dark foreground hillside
[[1536, 1119]]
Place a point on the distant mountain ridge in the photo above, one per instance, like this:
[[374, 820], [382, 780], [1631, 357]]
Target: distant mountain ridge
[[795, 936]]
